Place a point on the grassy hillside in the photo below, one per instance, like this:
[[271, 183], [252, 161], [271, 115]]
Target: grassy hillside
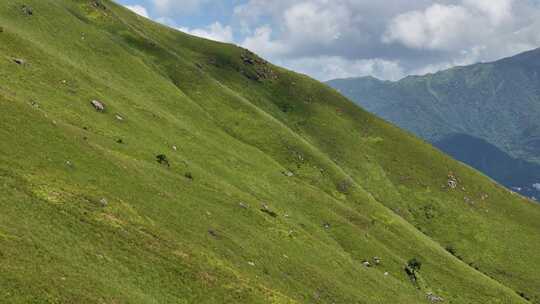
[[213, 176], [494, 104]]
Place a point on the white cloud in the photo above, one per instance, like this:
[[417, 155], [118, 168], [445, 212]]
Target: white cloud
[[139, 9], [497, 11], [331, 67], [261, 42], [439, 27], [340, 38], [215, 31]]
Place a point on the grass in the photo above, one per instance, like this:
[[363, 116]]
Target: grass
[[86, 218]]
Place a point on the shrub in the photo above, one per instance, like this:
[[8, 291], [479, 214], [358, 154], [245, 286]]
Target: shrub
[[451, 250], [162, 159], [414, 264], [344, 186]]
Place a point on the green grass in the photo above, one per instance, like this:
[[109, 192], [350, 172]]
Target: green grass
[[162, 237]]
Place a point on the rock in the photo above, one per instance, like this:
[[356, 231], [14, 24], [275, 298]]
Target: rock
[[251, 264], [27, 10], [68, 163], [267, 210], [366, 263], [98, 4], [213, 233], [118, 117], [175, 148], [243, 205], [433, 298], [452, 181], [19, 61], [376, 260], [98, 105], [288, 173], [103, 202], [386, 273], [326, 225]]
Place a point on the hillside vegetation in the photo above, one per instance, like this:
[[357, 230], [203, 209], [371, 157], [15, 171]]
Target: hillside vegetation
[[493, 107], [212, 176]]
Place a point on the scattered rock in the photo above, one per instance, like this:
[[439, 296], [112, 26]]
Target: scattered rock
[[251, 264], [98, 4], [288, 173], [377, 260], [98, 105], [103, 202], [118, 117], [267, 210], [35, 104], [262, 70], [386, 273], [243, 205], [452, 181], [68, 163], [366, 263], [326, 225], [213, 233], [27, 10], [175, 148], [19, 61], [433, 298]]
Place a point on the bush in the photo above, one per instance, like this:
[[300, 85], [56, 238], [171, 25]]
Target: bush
[[162, 159], [414, 264], [344, 186], [451, 250]]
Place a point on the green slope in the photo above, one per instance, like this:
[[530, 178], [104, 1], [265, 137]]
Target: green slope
[[495, 104], [277, 188]]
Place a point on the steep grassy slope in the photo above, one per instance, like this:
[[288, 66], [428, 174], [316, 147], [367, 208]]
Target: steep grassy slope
[[495, 103], [277, 188]]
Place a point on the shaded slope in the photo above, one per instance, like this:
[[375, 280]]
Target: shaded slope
[[492, 161], [89, 215]]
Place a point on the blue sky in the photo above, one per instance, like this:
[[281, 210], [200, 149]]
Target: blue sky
[[388, 39]]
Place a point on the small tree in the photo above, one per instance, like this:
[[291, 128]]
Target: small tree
[[162, 159]]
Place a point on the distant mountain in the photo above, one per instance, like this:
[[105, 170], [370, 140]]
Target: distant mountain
[[486, 115]]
